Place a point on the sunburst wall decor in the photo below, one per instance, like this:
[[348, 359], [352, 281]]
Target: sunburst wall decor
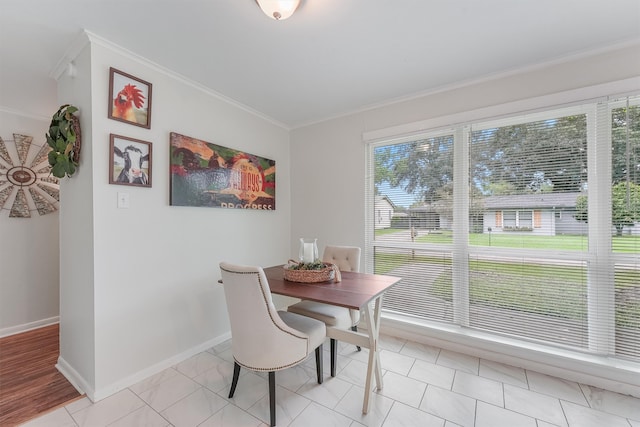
[[27, 188]]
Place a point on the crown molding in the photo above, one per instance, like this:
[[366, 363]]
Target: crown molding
[[100, 41], [9, 110]]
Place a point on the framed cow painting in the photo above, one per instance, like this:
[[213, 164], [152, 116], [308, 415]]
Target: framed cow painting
[[130, 161]]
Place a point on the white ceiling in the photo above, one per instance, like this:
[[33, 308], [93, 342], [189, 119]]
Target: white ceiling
[[331, 58]]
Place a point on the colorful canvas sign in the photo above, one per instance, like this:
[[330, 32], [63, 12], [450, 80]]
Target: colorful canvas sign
[[209, 175]]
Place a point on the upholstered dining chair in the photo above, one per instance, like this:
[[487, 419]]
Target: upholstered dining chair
[[347, 258], [262, 338]]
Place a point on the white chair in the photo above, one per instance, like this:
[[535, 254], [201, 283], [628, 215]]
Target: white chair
[[262, 338], [347, 258]]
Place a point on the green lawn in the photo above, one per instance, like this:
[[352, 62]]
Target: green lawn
[[383, 231], [627, 244], [539, 289], [556, 291]]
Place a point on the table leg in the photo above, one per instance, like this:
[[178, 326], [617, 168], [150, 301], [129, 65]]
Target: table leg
[[376, 315], [373, 322]]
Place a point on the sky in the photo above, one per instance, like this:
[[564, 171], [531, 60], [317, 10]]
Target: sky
[[399, 197]]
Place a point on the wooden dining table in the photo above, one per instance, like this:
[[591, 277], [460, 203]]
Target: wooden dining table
[[358, 291]]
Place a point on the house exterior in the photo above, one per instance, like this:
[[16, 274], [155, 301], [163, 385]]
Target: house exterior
[[384, 209], [429, 217], [546, 214]]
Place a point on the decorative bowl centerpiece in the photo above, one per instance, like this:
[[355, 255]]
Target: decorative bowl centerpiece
[[309, 272]]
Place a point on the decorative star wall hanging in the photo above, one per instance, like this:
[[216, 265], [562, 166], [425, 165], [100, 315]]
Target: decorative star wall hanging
[[27, 188]]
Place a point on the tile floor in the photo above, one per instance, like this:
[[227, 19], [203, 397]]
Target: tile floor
[[423, 386]]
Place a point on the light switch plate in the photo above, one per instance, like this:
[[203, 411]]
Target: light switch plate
[[123, 200]]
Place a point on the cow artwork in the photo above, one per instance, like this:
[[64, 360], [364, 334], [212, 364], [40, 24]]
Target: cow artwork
[[131, 161], [132, 172]]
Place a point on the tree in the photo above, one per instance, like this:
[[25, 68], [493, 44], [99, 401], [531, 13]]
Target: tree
[[625, 206], [499, 188], [383, 163], [625, 201], [418, 167], [582, 209], [625, 135], [533, 157]]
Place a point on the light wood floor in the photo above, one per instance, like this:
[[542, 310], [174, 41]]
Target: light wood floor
[[29, 382]]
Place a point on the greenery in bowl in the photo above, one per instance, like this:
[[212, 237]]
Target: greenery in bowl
[[316, 265]]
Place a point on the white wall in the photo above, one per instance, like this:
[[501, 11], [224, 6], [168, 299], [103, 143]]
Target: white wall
[[327, 173], [29, 261], [153, 268]]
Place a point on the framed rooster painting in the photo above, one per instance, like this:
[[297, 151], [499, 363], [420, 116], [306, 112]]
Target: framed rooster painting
[[129, 99]]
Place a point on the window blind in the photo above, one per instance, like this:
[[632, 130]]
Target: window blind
[[413, 179], [524, 247], [526, 168], [625, 214]]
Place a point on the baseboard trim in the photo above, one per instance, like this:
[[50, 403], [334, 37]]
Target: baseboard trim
[[158, 367], [73, 377], [98, 394], [12, 330]]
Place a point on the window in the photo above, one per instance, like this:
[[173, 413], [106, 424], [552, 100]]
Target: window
[[417, 175], [509, 219], [500, 226], [517, 220], [625, 214], [625, 179], [525, 219]]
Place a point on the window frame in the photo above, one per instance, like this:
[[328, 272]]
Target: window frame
[[598, 113]]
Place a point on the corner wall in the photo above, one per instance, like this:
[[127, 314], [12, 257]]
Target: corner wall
[[77, 242]]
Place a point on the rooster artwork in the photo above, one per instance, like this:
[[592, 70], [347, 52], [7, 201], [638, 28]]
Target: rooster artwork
[[130, 99], [125, 101]]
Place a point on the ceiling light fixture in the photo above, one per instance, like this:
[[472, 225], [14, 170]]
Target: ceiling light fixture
[[278, 9]]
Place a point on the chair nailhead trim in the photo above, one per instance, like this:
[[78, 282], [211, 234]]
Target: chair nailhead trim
[[266, 303], [277, 368]]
